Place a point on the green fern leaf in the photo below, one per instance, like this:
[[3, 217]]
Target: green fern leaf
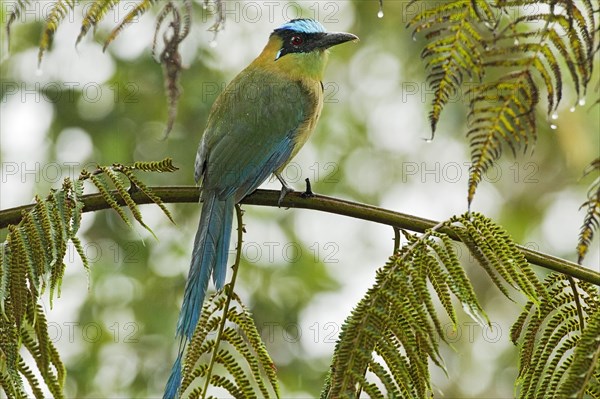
[[19, 7], [591, 221], [31, 255], [18, 275], [31, 379], [164, 166], [140, 9], [94, 15], [108, 197], [497, 254], [454, 48], [510, 119], [60, 238], [397, 321], [529, 48], [114, 178], [557, 358], [59, 11], [237, 347], [138, 184]]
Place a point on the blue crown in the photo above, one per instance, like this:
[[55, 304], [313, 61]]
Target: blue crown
[[303, 25]]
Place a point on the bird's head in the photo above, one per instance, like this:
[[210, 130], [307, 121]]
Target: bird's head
[[300, 47]]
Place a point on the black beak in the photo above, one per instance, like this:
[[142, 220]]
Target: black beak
[[334, 38]]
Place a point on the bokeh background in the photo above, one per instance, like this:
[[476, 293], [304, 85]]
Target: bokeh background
[[302, 271]]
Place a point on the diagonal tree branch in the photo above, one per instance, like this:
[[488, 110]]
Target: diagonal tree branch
[[190, 194]]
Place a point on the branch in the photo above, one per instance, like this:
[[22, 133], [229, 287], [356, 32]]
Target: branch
[[188, 194]]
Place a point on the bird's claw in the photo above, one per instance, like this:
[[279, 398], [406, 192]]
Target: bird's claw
[[285, 189]]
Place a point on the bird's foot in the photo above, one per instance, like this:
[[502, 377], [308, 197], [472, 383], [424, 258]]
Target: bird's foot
[[308, 193], [285, 189]]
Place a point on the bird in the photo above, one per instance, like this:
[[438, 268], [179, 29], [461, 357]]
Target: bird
[[255, 127]]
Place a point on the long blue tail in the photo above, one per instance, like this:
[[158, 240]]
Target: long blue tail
[[211, 247]]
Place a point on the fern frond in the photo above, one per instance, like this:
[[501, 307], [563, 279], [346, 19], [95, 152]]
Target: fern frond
[[557, 358], [31, 257], [497, 253], [139, 185], [239, 344], [124, 194], [453, 30], [390, 334], [526, 56], [591, 221], [19, 7], [59, 11], [166, 165], [393, 331], [109, 198], [18, 275], [140, 9], [94, 15], [501, 112], [584, 373], [31, 379]]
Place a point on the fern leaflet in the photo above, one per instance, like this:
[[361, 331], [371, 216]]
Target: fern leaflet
[[591, 222], [31, 259], [557, 357]]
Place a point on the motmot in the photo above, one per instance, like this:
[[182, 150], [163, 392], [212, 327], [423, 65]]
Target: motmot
[[254, 128]]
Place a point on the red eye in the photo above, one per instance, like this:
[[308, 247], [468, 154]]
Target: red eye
[[296, 40]]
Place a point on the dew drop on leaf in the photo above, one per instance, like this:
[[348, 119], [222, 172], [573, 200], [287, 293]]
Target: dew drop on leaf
[[553, 126], [582, 101], [516, 42], [380, 14], [572, 109], [554, 116], [212, 43]]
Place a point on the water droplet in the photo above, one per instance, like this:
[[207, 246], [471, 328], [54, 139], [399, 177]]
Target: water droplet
[[516, 42], [39, 72], [414, 38], [212, 43], [572, 109], [428, 140], [380, 14], [554, 116], [553, 126], [582, 101], [204, 5]]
